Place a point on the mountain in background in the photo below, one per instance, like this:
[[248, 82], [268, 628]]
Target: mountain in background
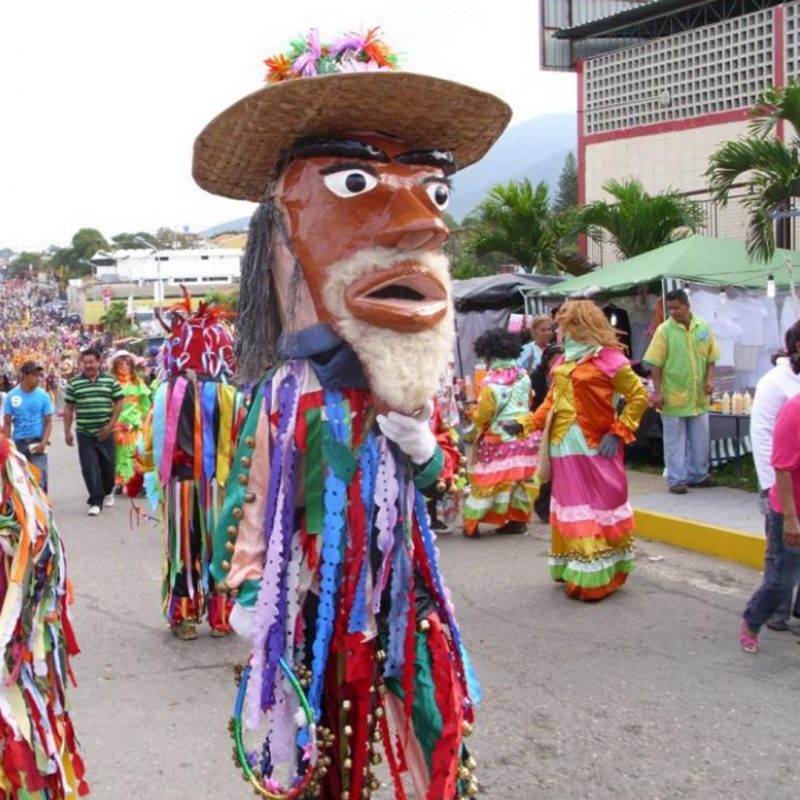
[[534, 149]]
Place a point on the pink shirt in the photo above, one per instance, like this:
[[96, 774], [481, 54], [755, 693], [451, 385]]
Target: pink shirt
[[786, 449]]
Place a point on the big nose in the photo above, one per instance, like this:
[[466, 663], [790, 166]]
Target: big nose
[[411, 224]]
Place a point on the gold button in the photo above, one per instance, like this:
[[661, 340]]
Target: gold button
[[242, 479], [233, 531], [250, 441], [245, 461], [249, 497], [237, 512], [226, 565], [230, 546]]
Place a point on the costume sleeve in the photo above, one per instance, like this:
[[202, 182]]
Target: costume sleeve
[[241, 523], [627, 383], [484, 411], [657, 351]]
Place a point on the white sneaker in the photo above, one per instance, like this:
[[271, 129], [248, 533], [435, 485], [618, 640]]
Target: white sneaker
[[109, 500], [93, 511]]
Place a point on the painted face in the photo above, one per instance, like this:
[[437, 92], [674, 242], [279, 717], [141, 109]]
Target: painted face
[[371, 197]]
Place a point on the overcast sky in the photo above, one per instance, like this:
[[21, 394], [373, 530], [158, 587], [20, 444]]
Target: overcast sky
[[100, 101]]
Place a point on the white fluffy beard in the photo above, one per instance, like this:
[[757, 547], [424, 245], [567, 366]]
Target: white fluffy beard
[[404, 370]]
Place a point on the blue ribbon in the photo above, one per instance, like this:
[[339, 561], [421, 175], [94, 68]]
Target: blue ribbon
[[208, 402], [334, 502], [369, 470]]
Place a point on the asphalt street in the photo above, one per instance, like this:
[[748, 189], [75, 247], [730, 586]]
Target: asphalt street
[[645, 695]]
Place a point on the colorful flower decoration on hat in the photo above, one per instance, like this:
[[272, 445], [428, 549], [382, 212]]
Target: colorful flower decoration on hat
[[352, 52]]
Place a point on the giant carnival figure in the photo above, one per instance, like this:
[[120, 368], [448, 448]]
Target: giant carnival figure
[[39, 754], [188, 450], [345, 329]]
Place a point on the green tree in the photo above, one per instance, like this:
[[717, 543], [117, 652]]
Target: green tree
[[116, 320], [638, 222], [567, 194], [86, 242], [134, 241], [222, 298], [515, 221], [25, 264], [168, 239], [769, 167]]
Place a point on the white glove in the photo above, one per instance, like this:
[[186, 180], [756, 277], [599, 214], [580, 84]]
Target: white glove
[[413, 435], [242, 620]]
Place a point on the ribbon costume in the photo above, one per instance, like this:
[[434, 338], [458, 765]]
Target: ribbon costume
[[39, 755], [345, 329], [188, 449]]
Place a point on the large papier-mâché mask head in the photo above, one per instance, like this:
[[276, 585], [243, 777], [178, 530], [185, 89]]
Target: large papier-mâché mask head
[[366, 211]]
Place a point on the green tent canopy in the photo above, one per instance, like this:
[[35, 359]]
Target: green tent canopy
[[696, 259]]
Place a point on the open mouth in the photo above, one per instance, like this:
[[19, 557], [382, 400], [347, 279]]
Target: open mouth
[[405, 297]]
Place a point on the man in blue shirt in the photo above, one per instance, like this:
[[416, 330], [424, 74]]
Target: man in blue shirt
[[29, 410]]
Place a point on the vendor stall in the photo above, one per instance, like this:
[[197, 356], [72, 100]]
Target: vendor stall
[[489, 302]]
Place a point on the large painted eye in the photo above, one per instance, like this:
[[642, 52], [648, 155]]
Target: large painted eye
[[350, 182], [439, 193]]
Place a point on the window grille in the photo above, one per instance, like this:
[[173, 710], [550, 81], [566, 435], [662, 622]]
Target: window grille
[[706, 70], [792, 40]]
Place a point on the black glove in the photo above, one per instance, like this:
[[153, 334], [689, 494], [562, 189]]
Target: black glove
[[609, 445], [512, 428]]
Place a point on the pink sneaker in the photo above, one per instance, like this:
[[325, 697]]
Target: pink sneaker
[[747, 639]]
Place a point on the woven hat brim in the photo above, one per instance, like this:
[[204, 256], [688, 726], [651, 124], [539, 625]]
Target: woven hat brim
[[237, 153]]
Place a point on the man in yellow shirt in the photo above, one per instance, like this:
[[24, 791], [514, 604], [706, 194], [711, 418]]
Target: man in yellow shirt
[[683, 353]]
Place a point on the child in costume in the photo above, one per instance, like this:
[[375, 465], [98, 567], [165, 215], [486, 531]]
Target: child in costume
[[188, 448], [502, 473], [136, 404], [39, 755], [345, 329]]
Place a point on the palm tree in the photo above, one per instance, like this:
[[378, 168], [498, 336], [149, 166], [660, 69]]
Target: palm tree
[[516, 221], [639, 222], [772, 168]]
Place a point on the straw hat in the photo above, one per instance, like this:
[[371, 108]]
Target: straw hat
[[121, 354], [238, 152]]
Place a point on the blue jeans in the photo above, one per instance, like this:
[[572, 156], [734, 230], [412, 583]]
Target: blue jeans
[[774, 543], [686, 448], [778, 581], [39, 460]]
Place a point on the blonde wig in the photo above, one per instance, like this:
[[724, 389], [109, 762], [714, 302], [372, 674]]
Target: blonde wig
[[586, 323]]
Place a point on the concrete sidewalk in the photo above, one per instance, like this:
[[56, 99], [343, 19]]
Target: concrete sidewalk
[[721, 522]]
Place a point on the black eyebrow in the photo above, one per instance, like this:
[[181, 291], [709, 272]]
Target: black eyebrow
[[342, 148], [436, 179], [349, 165], [429, 158]]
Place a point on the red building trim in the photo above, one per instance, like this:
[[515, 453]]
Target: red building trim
[[583, 247], [779, 58], [705, 120]]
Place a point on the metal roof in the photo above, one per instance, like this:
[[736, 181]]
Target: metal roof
[[638, 20]]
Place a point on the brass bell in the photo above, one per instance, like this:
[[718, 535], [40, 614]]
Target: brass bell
[[380, 656], [346, 705], [441, 486], [423, 626], [466, 728], [237, 512], [234, 592], [249, 497], [232, 531], [374, 784], [246, 461], [375, 758], [347, 763], [472, 789], [471, 763], [379, 712], [222, 588], [452, 488], [250, 441], [463, 461], [230, 546], [226, 565], [242, 479], [347, 731], [463, 774], [376, 735]]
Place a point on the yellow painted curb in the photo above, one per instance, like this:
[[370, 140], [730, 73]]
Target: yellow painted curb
[[745, 548]]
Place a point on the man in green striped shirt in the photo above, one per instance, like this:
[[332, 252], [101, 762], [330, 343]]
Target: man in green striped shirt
[[94, 398]]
